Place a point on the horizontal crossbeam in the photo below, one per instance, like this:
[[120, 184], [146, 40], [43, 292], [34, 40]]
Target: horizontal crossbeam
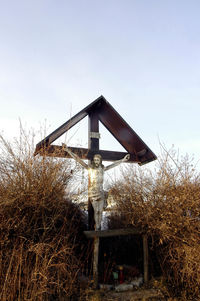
[[114, 232], [84, 153]]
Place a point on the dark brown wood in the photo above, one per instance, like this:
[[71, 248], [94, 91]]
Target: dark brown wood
[[95, 262], [146, 258], [69, 124], [93, 146], [85, 154], [110, 233], [60, 131], [58, 151], [100, 109], [122, 132], [93, 126], [91, 222]]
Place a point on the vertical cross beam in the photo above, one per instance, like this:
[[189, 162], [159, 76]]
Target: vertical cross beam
[[93, 127], [93, 145]]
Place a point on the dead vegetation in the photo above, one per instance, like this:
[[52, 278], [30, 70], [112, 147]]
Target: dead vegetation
[[43, 249], [166, 204], [42, 245]]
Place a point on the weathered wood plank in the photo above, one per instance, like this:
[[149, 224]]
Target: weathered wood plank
[[68, 124], [96, 261], [86, 154], [114, 232], [117, 126], [93, 126], [60, 131], [146, 258], [122, 132]]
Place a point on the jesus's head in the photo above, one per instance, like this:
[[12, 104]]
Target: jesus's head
[[97, 160]]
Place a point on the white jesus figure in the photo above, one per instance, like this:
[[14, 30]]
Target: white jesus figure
[[95, 182]]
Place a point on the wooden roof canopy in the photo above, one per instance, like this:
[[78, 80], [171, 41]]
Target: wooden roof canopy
[[99, 110]]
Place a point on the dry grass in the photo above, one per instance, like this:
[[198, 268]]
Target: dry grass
[[41, 230], [42, 245], [166, 204]]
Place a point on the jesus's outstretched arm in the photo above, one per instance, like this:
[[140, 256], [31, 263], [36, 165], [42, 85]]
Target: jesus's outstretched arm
[[125, 159], [74, 156]]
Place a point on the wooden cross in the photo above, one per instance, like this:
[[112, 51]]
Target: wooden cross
[[99, 110]]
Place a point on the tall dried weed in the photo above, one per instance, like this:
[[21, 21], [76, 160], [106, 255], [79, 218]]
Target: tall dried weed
[[166, 205], [41, 230]]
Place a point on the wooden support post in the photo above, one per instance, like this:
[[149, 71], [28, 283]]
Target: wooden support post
[[145, 255], [95, 262]]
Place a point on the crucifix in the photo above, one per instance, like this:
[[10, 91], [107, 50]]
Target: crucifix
[[136, 151], [95, 182]]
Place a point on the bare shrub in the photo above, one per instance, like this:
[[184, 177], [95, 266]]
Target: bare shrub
[[41, 230], [165, 203]]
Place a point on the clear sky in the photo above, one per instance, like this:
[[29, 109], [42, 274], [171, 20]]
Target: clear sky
[[143, 56]]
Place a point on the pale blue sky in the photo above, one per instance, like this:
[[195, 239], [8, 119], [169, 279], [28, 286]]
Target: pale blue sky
[[144, 57]]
